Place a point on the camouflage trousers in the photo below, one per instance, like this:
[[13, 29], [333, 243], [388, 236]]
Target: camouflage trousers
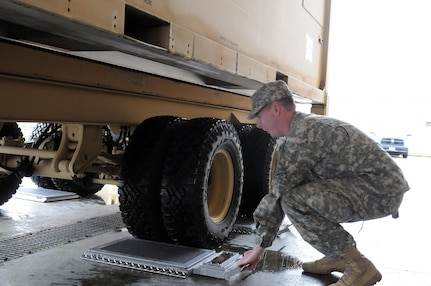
[[317, 209]]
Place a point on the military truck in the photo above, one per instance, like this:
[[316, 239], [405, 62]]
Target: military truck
[[153, 96]]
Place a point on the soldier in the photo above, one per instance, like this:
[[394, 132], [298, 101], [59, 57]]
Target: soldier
[[329, 172]]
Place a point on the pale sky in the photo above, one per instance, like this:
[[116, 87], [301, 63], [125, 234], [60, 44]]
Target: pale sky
[[379, 63]]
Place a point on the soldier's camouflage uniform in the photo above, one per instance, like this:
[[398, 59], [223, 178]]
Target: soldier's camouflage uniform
[[328, 172]]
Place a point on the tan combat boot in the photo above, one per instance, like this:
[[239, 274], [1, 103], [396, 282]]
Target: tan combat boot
[[326, 265], [359, 270]]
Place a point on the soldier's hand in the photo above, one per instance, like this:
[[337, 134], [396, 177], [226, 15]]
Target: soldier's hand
[[251, 258]]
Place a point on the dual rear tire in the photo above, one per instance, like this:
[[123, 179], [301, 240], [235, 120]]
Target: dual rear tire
[[182, 180]]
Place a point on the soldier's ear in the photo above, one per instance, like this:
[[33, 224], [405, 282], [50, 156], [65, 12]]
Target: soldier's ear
[[276, 108]]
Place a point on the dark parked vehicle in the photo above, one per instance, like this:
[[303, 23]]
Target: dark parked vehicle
[[395, 146]]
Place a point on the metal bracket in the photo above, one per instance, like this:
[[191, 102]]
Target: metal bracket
[[80, 145]]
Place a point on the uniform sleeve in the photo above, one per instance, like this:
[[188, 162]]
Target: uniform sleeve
[[268, 217]]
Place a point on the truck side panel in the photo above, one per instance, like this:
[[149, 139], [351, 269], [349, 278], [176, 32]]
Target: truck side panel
[[258, 42]]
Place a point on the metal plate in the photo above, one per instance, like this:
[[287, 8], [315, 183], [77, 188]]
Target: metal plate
[[166, 259], [149, 256], [44, 195], [222, 266]]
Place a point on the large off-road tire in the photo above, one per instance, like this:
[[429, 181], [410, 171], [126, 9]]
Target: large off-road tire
[[82, 188], [260, 152], [141, 175], [9, 182], [202, 183], [43, 182], [11, 129]]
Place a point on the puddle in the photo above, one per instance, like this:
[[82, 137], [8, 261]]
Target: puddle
[[104, 275], [273, 261], [276, 261]]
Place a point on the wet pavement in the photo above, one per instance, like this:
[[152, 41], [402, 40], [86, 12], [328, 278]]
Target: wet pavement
[[398, 247]]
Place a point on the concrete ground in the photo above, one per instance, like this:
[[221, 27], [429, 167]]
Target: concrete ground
[[42, 243]]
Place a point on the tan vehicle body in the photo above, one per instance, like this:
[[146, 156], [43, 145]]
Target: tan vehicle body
[[84, 65]]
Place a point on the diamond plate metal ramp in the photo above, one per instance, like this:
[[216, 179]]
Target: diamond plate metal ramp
[[19, 246]]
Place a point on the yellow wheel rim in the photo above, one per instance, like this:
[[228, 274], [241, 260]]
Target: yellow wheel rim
[[220, 186]]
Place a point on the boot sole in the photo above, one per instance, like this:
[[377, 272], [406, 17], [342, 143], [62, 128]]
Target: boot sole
[[329, 271]]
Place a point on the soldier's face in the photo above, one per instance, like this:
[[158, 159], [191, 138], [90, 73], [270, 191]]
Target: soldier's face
[[267, 120]]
